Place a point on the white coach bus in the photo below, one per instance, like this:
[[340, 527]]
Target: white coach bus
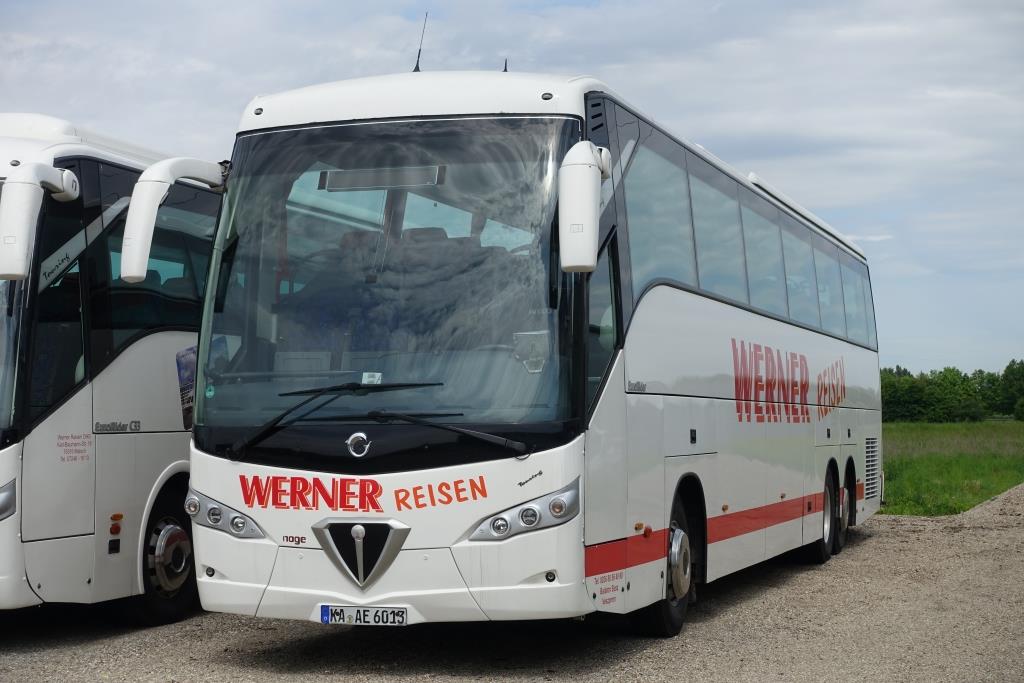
[[95, 386], [494, 346]]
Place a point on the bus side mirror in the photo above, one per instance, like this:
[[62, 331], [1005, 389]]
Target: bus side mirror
[[20, 201], [150, 191], [579, 205]]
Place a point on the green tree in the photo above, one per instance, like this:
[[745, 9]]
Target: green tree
[[950, 396], [1018, 411], [1013, 386], [989, 386]]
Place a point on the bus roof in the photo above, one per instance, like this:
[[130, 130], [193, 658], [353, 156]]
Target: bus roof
[[41, 138], [437, 93], [459, 93]]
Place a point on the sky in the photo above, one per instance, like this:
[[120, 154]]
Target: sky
[[899, 123]]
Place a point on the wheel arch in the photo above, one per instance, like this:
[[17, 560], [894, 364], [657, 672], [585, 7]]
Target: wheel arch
[[173, 478], [850, 484], [690, 491]]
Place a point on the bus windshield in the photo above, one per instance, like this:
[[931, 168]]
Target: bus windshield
[[399, 252]]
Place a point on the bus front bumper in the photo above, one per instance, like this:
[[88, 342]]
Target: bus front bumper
[[537, 575]]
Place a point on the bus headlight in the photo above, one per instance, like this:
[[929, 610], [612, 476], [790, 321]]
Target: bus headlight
[[540, 513], [212, 514], [8, 499]]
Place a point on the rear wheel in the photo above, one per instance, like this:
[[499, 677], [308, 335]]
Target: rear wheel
[[820, 550], [168, 572], [665, 617], [847, 508]]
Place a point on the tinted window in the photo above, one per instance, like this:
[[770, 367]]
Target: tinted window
[[57, 347], [171, 294], [58, 352], [801, 283], [763, 245], [853, 300], [870, 308], [830, 286], [658, 209], [716, 220], [601, 327]]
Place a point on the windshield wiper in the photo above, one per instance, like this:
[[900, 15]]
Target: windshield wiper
[[388, 416], [277, 422]]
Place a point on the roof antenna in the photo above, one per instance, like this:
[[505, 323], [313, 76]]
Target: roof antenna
[[505, 70], [416, 69]]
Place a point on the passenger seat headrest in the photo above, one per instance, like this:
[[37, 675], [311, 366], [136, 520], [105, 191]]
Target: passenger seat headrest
[[359, 239]]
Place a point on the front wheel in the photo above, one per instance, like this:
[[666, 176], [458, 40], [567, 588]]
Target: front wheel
[[168, 572], [665, 617]]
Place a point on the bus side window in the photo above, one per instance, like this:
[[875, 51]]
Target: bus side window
[[602, 329], [170, 297]]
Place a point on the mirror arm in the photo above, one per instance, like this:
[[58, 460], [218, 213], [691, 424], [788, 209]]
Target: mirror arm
[[150, 192], [20, 203]]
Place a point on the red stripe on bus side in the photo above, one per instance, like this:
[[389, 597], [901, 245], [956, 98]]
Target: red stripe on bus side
[[630, 552], [724, 527], [625, 552]]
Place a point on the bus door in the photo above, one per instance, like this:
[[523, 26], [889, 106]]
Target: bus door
[[59, 466]]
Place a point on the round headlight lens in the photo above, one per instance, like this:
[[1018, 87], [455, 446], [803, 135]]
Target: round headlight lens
[[529, 516], [238, 524], [557, 507], [499, 526], [214, 515], [192, 506]]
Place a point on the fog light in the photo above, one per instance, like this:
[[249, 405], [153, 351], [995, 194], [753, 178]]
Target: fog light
[[529, 516], [237, 524], [214, 515], [192, 506], [557, 507], [499, 526]]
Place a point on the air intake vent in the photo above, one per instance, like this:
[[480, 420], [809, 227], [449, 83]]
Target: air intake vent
[[871, 466]]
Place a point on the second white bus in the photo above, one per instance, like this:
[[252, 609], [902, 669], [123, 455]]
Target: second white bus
[[465, 365], [96, 381]]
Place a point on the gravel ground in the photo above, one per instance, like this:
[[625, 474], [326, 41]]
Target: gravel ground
[[910, 598]]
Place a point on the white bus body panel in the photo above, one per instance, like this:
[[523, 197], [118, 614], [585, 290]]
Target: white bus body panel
[[72, 499], [760, 476], [141, 385], [14, 588], [59, 474], [438, 575]]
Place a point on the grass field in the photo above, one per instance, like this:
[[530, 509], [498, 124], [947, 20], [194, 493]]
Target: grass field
[[942, 469]]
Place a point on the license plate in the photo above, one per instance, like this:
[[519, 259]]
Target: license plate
[[362, 616]]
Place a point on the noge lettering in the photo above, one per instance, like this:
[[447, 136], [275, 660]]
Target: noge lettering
[[347, 494]]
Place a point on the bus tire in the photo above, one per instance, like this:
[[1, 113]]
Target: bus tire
[[847, 507], [664, 618], [820, 550], [168, 571]]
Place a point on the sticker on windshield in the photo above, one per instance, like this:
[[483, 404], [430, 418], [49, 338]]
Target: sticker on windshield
[[372, 377], [186, 361]]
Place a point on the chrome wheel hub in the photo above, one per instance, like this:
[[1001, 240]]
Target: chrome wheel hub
[[170, 556], [679, 564]]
